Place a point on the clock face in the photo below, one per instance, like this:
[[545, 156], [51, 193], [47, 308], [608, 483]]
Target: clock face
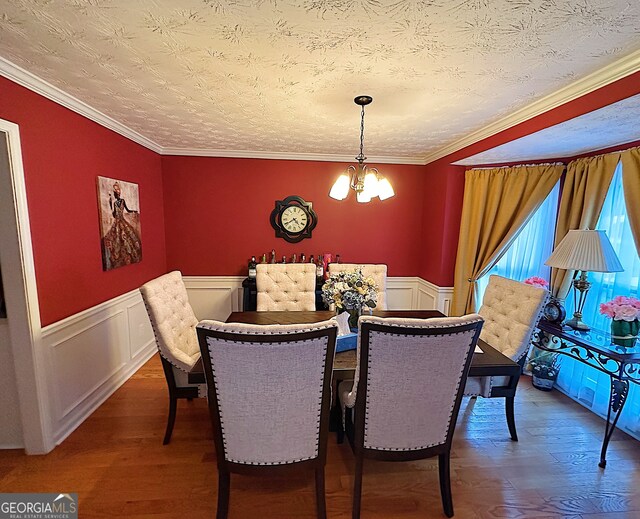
[[554, 311], [294, 219]]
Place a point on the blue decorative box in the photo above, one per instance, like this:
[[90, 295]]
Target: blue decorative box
[[347, 342]]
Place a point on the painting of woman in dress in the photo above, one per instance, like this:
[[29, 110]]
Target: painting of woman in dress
[[119, 223]]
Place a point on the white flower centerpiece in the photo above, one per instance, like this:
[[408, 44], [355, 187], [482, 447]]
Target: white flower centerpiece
[[350, 291]]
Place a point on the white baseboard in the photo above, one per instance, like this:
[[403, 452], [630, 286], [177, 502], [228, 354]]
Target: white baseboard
[[91, 354]]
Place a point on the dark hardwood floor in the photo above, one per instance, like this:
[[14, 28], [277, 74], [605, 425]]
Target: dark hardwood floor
[[119, 467]]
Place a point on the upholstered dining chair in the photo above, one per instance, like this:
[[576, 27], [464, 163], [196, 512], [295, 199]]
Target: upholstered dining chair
[[376, 271], [174, 327], [285, 287], [511, 310], [407, 390], [269, 391]]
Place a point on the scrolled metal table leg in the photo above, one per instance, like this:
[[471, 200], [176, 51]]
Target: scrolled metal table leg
[[618, 397]]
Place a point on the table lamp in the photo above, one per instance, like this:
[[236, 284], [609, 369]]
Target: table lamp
[[583, 251]]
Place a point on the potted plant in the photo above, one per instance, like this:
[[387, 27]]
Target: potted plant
[[625, 320], [545, 367]]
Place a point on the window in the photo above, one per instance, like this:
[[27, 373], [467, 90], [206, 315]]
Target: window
[[605, 286], [532, 247], [583, 383]]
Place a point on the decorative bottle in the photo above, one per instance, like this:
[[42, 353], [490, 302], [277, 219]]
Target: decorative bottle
[[252, 268], [303, 258], [264, 258], [284, 259], [319, 268], [273, 255]]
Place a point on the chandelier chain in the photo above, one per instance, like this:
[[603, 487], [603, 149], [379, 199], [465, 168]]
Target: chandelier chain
[[361, 157]]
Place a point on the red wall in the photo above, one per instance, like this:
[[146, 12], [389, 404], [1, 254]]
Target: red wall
[[217, 214], [63, 153]]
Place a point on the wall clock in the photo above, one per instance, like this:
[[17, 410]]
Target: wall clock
[[293, 219]]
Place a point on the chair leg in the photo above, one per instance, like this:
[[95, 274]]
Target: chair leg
[[224, 483], [357, 487], [445, 483], [321, 506], [173, 401], [511, 420]]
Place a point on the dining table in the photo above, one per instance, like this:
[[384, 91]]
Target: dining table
[[486, 361]]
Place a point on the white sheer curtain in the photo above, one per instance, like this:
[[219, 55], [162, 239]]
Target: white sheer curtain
[[532, 247], [584, 383], [605, 286]]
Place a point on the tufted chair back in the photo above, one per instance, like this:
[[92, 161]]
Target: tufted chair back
[[511, 311], [172, 319], [376, 271], [174, 327], [288, 287]]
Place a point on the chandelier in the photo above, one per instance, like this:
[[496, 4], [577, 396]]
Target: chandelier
[[367, 182]]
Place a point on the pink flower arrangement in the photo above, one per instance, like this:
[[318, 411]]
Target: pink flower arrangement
[[621, 308], [536, 282]]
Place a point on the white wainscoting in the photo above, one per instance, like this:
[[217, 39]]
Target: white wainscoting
[[91, 354], [215, 297]]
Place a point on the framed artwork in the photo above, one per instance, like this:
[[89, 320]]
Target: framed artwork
[[120, 237]]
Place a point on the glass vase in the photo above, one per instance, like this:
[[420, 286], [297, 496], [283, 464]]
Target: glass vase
[[624, 333], [354, 314]]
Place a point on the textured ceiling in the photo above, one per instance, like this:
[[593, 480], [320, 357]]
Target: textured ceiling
[[607, 127], [280, 75]]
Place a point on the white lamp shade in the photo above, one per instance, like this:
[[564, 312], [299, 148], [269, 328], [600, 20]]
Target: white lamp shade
[[363, 197], [371, 184], [340, 188], [586, 250], [384, 189]]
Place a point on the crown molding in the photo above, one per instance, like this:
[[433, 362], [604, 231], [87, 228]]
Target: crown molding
[[275, 155], [40, 86], [602, 77]]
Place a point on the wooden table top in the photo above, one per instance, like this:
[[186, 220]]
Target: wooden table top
[[489, 363]]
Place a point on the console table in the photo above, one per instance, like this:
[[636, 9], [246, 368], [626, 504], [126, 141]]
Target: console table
[[594, 348]]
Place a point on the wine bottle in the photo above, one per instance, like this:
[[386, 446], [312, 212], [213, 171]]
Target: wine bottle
[[284, 259], [294, 258], [264, 258], [337, 258], [252, 268], [303, 258], [273, 255], [319, 268]]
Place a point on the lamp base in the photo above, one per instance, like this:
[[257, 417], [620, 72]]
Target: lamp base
[[576, 323]]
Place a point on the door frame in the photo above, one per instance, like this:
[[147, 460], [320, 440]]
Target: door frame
[[21, 295]]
